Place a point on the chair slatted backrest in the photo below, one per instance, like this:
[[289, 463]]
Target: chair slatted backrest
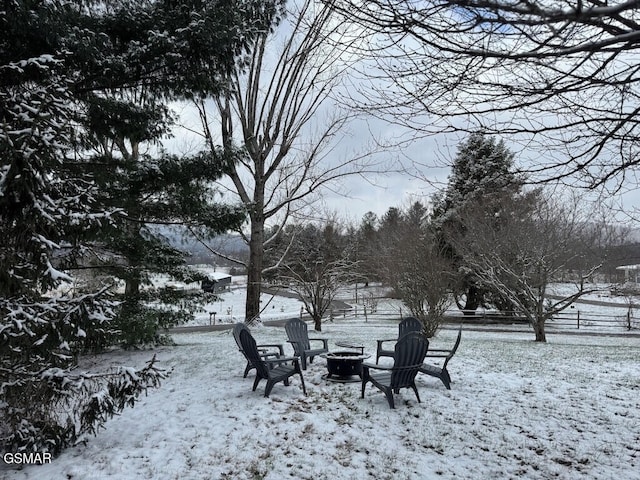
[[250, 349], [297, 332], [409, 355], [409, 324], [237, 328]]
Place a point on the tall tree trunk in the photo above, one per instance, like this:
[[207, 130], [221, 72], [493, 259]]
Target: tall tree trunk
[[254, 269], [317, 308], [541, 317], [134, 275], [132, 287], [317, 322], [473, 300], [538, 328]]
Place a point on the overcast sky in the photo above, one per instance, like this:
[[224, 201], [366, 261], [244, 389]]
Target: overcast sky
[[424, 158], [427, 157]]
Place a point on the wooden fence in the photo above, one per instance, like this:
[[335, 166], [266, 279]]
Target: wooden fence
[[580, 320], [570, 320]]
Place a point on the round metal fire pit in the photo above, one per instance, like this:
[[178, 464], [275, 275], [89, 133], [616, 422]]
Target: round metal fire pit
[[344, 366]]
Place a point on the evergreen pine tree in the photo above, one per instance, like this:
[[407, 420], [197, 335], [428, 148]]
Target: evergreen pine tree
[[59, 62], [157, 52], [482, 173]]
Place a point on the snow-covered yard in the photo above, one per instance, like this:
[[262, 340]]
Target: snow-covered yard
[[566, 409]]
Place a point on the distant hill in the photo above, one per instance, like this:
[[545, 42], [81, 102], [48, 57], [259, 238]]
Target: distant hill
[[229, 244]]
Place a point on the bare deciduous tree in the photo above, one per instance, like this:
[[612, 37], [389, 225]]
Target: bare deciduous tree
[[424, 281], [317, 263], [561, 76], [523, 250], [317, 283], [414, 263], [278, 109]]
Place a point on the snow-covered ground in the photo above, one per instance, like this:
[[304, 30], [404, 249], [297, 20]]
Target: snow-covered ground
[[228, 306], [567, 409]]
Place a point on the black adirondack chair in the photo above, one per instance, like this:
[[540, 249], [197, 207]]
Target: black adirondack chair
[[408, 356], [409, 324], [441, 372], [273, 370], [263, 349], [298, 335]]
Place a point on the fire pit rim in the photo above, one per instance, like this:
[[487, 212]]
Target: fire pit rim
[[345, 355]]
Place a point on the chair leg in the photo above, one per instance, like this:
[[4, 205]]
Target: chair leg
[[446, 379], [365, 378], [255, 382], [247, 369], [389, 394], [268, 388], [303, 362], [415, 390], [296, 366], [304, 390]]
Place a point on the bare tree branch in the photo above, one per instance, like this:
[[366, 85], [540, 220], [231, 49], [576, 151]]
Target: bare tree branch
[[561, 78], [203, 241]]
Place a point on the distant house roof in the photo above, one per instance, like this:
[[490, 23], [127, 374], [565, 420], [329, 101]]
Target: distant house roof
[[218, 275], [629, 267]]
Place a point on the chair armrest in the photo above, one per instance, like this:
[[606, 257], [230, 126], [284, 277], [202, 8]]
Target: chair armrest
[[324, 341], [274, 345], [281, 360], [380, 342], [438, 353]]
